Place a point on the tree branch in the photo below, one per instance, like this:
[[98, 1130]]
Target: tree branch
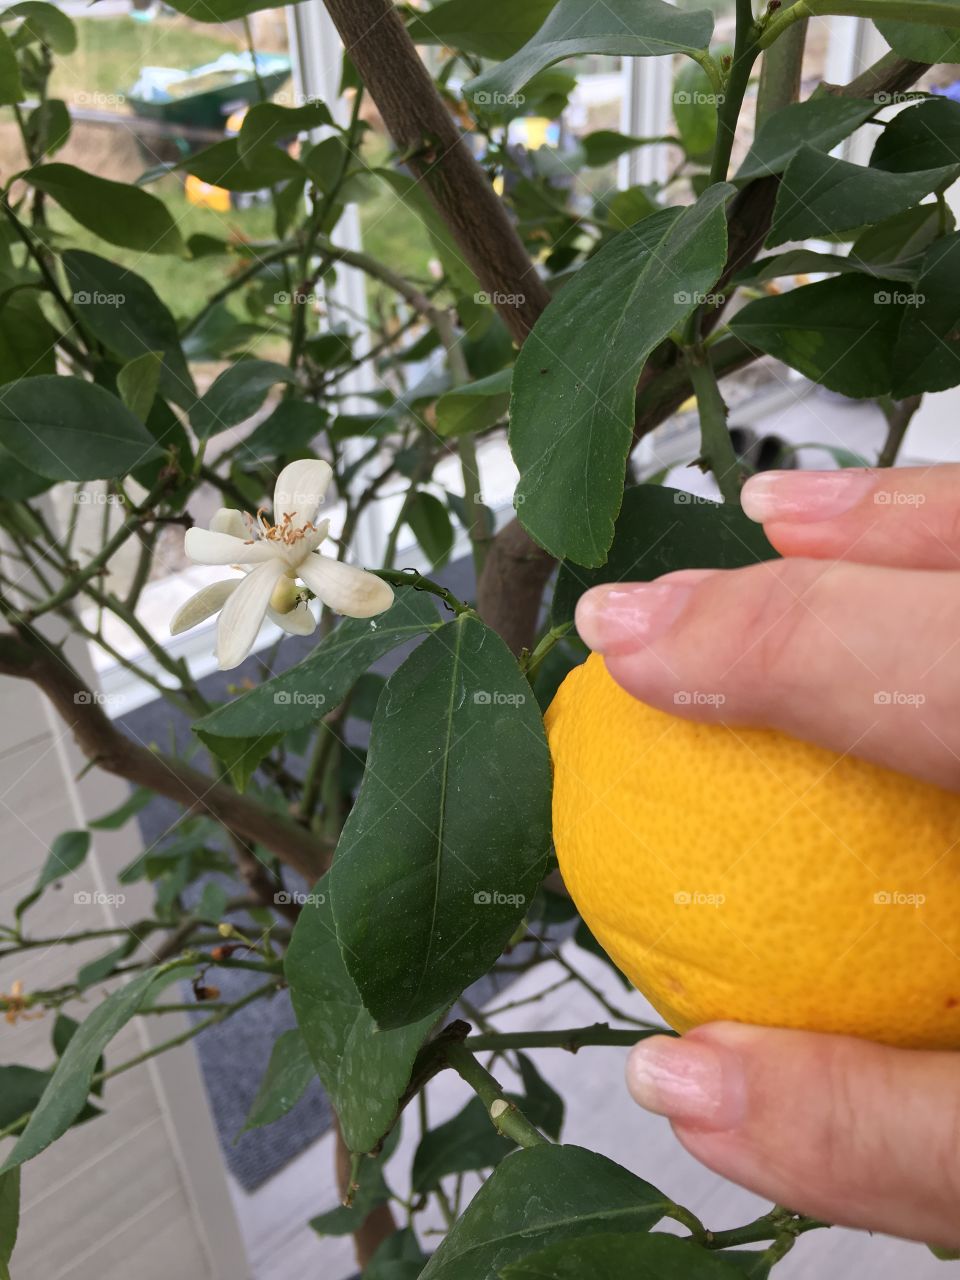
[[26, 656], [430, 142]]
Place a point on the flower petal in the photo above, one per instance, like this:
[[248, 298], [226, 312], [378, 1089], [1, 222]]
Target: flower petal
[[297, 622], [229, 520], [203, 604], [299, 490], [243, 614], [346, 590], [206, 546]]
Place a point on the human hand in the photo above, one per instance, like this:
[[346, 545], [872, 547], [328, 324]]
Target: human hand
[[867, 599]]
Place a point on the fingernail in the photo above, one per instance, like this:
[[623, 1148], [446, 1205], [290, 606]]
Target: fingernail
[[803, 496], [687, 1080], [624, 616]]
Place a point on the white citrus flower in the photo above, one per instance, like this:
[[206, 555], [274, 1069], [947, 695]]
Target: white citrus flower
[[272, 557]]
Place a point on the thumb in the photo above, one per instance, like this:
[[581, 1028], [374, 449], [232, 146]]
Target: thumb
[[852, 1132]]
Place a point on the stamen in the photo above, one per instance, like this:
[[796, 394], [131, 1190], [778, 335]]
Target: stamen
[[283, 532]]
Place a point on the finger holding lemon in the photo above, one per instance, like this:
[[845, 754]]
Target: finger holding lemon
[[755, 811]]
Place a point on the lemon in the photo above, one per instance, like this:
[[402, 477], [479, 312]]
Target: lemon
[[739, 873]]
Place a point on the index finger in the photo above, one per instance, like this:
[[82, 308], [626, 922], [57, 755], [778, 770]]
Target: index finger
[[904, 517]]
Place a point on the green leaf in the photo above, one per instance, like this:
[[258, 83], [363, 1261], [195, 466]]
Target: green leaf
[[17, 482], [465, 1142], [921, 137], [268, 122], [122, 310], [222, 166], [541, 1103], [322, 680], [118, 212], [428, 518], [546, 1195], [399, 1257], [623, 1257], [603, 146], [660, 530], [138, 381], [574, 385], [840, 332], [928, 12], [945, 1255], [818, 122], [495, 29], [921, 43], [48, 126], [66, 854], [448, 839], [212, 904], [288, 1073], [240, 756], [90, 974], [475, 406], [11, 88], [28, 341], [288, 432], [65, 1095], [624, 28], [364, 1071], [695, 110], [43, 23], [9, 1218], [820, 195], [806, 262], [902, 239], [927, 353], [21, 1088], [68, 429], [236, 395]]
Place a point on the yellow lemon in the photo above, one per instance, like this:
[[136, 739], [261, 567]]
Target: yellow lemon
[[739, 873]]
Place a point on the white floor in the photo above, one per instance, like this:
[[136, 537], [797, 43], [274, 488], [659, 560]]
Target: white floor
[[600, 1116]]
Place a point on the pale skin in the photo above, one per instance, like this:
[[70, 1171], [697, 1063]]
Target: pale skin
[[866, 600]]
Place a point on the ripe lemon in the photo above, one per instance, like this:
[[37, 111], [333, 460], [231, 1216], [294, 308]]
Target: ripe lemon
[[739, 873]]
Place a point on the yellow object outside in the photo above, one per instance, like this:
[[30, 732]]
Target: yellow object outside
[[742, 874]]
